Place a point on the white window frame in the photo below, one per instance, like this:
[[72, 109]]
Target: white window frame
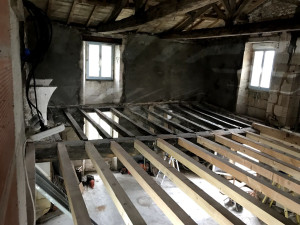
[[87, 61], [262, 47]]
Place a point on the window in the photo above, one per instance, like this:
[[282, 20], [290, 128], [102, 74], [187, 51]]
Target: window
[[99, 59], [262, 69]]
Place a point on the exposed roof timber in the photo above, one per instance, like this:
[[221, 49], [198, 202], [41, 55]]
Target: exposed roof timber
[[117, 10], [71, 12], [88, 23], [227, 6], [238, 30], [192, 16], [140, 6], [103, 3], [246, 7], [219, 12], [170, 8]]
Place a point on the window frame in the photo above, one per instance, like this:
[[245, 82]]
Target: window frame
[[264, 49], [87, 77]]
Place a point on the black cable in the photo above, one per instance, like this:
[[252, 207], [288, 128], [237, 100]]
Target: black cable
[[43, 32]]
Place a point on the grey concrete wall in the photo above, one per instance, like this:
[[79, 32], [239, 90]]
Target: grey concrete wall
[[62, 64], [160, 70]]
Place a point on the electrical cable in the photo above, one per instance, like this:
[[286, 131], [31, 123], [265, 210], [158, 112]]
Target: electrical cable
[[43, 32]]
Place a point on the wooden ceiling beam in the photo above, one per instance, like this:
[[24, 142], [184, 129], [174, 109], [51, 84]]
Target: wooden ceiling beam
[[219, 12], [274, 26], [117, 10], [192, 16], [71, 13], [170, 8], [88, 23], [140, 6]]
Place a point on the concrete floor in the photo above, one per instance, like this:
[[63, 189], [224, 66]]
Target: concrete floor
[[103, 211]]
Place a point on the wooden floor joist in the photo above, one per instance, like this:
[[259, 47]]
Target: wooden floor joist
[[76, 203], [199, 118], [156, 126], [175, 115], [122, 130], [101, 131], [265, 158], [124, 205], [262, 211], [274, 144], [262, 169], [254, 182], [221, 116], [170, 122], [139, 127], [171, 209], [289, 137], [217, 120], [285, 157], [78, 130], [211, 206]]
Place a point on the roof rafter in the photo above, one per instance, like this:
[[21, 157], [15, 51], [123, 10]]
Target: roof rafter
[[238, 30], [170, 8]]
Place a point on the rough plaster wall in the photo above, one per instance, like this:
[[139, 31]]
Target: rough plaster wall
[[160, 70], [62, 64]]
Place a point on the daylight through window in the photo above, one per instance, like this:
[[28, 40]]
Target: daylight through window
[[262, 69]]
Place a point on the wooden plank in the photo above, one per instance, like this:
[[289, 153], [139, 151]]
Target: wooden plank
[[217, 126], [141, 128], [30, 188], [124, 205], [262, 211], [122, 130], [212, 117], [271, 161], [76, 203], [91, 17], [254, 182], [227, 7], [75, 126], [157, 126], [116, 11], [140, 6], [273, 143], [211, 206], [219, 12], [182, 118], [264, 170], [167, 8], [101, 131], [285, 157], [71, 13], [274, 26], [46, 152], [237, 122], [241, 7], [159, 196], [170, 122], [290, 137]]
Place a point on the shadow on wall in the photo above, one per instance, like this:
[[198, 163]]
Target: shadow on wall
[[161, 70]]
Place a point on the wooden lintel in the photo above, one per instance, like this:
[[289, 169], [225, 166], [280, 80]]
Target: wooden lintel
[[159, 196], [164, 9], [275, 26], [262, 169], [76, 203], [122, 130], [75, 126], [255, 206], [121, 200], [211, 206]]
